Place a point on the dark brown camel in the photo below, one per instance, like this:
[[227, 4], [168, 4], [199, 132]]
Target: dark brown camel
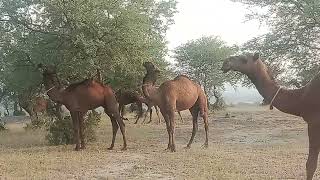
[[304, 102], [178, 94], [81, 97], [127, 97]]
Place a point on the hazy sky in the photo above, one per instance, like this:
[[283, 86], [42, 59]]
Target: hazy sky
[[196, 18], [223, 18]]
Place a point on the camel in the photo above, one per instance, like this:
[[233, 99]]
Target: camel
[[178, 94], [127, 97], [303, 102], [81, 97]]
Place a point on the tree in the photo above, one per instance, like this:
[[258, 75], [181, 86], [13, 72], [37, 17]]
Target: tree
[[201, 60], [79, 37], [293, 40]]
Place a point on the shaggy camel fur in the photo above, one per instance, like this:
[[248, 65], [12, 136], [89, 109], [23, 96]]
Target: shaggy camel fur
[[304, 101], [81, 97], [176, 95]]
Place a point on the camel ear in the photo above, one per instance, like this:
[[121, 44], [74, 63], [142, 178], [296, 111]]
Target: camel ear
[[256, 56]]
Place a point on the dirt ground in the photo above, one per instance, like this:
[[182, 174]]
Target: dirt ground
[[253, 143]]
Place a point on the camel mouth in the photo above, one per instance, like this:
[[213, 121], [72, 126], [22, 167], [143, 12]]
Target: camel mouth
[[226, 67]]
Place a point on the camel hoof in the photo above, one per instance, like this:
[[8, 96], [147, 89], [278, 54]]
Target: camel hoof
[[187, 147], [77, 149], [205, 145], [149, 122], [110, 148], [124, 149]]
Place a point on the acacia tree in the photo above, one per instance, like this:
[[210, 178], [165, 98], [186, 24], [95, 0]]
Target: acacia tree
[[79, 37], [293, 40], [201, 60]]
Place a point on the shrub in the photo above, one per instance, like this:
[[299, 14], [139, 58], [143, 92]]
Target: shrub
[[61, 131], [2, 126], [37, 123]]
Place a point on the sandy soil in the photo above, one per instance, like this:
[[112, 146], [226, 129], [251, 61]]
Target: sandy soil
[[253, 143]]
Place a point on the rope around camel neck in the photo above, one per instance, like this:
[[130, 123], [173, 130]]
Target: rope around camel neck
[[50, 89], [274, 97]]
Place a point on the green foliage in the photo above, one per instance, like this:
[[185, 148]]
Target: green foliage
[[2, 126], [79, 37], [292, 44], [61, 131], [38, 123], [202, 60]]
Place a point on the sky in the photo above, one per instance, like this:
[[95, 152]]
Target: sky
[[197, 18]]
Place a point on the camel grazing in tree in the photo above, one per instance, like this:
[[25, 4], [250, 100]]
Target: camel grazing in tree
[[128, 97], [81, 97], [304, 102], [42, 105], [178, 94]]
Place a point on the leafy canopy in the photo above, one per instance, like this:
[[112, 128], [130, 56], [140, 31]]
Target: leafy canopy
[[202, 59], [80, 36], [293, 41]]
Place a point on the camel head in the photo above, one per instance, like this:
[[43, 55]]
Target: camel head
[[49, 73], [152, 73], [244, 63]]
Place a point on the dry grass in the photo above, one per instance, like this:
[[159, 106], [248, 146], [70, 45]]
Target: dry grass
[[254, 144]]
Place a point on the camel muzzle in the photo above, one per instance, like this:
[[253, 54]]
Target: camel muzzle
[[226, 67]]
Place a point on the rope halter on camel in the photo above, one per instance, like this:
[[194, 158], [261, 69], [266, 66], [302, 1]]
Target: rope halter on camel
[[50, 89], [274, 97]]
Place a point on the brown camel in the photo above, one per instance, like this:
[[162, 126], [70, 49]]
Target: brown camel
[[81, 97], [128, 97], [304, 102], [178, 94]]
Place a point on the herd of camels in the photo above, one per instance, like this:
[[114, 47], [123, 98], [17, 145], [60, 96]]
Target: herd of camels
[[182, 93]]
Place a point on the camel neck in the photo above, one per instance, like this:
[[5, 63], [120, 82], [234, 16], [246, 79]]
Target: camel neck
[[151, 92], [285, 100]]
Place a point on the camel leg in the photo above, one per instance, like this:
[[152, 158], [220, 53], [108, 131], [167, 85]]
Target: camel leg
[[121, 110], [115, 116], [172, 129], [206, 128], [314, 148], [180, 116], [150, 116], [194, 112], [166, 120], [123, 131], [145, 116], [115, 128], [157, 111], [75, 121], [140, 113], [81, 125]]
